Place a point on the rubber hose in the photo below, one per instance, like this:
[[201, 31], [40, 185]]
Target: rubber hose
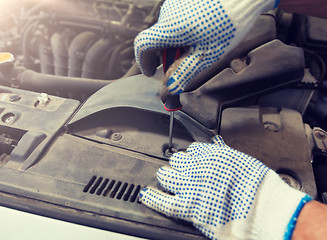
[[66, 86], [59, 46], [25, 45], [95, 58], [45, 54], [76, 52], [111, 71]]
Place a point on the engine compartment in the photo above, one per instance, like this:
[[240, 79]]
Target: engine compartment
[[83, 131]]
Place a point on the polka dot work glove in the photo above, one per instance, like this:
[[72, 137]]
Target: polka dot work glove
[[226, 194], [210, 28]]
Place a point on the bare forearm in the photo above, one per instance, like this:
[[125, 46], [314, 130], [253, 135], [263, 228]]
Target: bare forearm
[[316, 8], [312, 222]]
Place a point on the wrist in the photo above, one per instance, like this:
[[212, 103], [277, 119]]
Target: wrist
[[311, 223], [291, 225]]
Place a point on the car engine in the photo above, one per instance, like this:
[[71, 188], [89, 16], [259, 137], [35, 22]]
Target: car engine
[[83, 131]]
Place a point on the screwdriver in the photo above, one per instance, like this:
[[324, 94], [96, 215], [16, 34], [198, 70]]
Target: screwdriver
[[172, 103]]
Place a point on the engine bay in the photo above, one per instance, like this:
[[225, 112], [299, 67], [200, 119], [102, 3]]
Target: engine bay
[[83, 131]]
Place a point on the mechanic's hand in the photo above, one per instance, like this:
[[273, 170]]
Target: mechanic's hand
[[226, 194], [210, 28]]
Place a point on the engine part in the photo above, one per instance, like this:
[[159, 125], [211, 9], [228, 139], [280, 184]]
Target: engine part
[[299, 96], [86, 163], [95, 58], [77, 51], [6, 67], [319, 162], [263, 133], [141, 121], [77, 88], [45, 54], [92, 173], [59, 44], [312, 34], [120, 60], [263, 31], [286, 67], [64, 42]]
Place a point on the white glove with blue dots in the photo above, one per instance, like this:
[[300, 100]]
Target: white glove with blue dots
[[211, 28], [226, 194]]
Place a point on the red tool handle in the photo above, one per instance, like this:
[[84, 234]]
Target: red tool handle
[[169, 56]]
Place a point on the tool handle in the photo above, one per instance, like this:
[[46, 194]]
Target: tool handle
[[169, 56], [172, 103]]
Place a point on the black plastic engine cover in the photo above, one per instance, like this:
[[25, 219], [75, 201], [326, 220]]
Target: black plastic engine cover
[[71, 164]]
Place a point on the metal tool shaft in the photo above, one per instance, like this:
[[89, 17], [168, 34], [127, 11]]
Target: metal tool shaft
[[170, 144], [172, 102]]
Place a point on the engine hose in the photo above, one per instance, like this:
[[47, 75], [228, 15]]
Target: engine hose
[[37, 8], [95, 58], [29, 28], [95, 23], [77, 51], [26, 49], [45, 54], [134, 70], [60, 85], [59, 46], [112, 68]]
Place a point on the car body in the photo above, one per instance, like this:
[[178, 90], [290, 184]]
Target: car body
[[83, 131]]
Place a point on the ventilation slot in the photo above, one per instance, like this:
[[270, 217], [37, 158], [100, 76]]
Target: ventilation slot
[[113, 189]]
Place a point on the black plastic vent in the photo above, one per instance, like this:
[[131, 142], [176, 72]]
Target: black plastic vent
[[113, 189]]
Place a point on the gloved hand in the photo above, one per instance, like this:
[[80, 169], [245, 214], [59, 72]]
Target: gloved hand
[[226, 194], [211, 28]]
